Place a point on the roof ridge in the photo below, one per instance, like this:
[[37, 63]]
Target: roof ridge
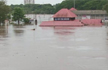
[[69, 12]]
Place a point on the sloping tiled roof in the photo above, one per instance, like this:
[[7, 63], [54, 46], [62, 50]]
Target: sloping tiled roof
[[92, 22], [73, 9], [64, 13]]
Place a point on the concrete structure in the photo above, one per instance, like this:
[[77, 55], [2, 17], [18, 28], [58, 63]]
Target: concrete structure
[[91, 14], [29, 1]]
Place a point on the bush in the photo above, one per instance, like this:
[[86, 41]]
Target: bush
[[26, 21]]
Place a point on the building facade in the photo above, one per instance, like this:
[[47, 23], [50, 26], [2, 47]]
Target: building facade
[[91, 14], [29, 1]]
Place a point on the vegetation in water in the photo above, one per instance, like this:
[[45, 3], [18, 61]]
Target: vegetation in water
[[4, 10], [18, 14]]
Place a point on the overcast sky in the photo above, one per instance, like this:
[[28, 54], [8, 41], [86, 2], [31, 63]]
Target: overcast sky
[[9, 2]]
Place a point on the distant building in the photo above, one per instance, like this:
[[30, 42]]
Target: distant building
[[29, 1], [90, 14]]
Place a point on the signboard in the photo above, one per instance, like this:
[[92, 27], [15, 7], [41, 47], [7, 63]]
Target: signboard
[[86, 17]]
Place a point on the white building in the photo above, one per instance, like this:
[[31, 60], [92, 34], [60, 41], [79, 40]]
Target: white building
[[29, 1]]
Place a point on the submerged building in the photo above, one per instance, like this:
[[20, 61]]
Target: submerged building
[[90, 14], [63, 17], [69, 18], [29, 1]]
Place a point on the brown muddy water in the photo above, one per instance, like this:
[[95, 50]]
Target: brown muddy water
[[80, 48]]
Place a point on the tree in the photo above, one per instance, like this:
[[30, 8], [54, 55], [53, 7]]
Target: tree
[[26, 20], [4, 10], [105, 7], [18, 14], [36, 8], [51, 9]]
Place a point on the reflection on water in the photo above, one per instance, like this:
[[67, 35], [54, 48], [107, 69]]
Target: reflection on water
[[59, 48], [63, 30], [18, 32], [3, 38], [3, 31]]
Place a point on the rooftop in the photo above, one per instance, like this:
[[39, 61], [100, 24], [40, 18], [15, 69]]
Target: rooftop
[[73, 9], [78, 12], [64, 13]]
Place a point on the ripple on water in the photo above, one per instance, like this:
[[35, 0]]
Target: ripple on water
[[84, 48]]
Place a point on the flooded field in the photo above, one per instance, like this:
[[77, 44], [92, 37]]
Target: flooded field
[[80, 48]]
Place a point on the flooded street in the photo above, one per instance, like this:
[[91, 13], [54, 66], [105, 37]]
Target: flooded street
[[59, 48]]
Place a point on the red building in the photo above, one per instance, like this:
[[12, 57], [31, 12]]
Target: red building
[[73, 9], [64, 17], [92, 22]]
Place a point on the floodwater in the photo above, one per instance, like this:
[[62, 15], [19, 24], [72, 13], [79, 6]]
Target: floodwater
[[59, 48]]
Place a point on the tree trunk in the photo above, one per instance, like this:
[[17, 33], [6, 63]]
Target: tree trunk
[[18, 22]]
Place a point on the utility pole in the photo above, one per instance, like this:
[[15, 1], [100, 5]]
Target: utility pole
[[74, 3]]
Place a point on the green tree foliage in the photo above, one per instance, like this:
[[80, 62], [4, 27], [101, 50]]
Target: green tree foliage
[[4, 10], [51, 9], [36, 8], [95, 4], [105, 7], [8, 16], [82, 4], [26, 20], [18, 14]]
